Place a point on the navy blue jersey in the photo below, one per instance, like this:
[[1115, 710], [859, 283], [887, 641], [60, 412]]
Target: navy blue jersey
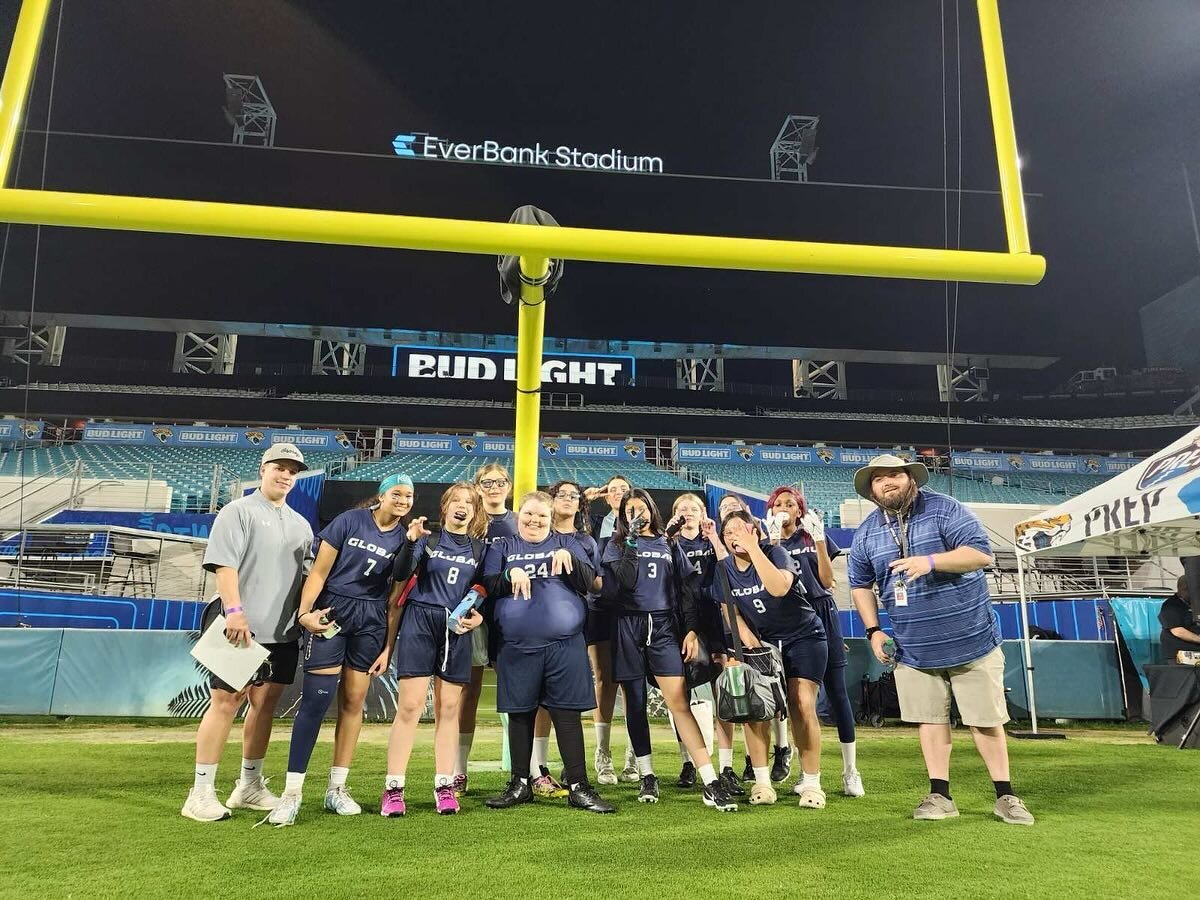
[[773, 618], [363, 568], [804, 554], [502, 525], [655, 586], [446, 572], [699, 553], [586, 547], [555, 611]]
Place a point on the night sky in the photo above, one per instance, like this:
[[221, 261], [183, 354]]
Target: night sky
[[1106, 96]]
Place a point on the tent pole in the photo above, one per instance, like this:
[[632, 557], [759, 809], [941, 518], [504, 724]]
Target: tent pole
[[1025, 643]]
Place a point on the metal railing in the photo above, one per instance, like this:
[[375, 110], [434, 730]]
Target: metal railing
[[1096, 576], [103, 561]]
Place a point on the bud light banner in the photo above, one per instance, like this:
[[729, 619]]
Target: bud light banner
[[474, 445], [1032, 463], [807, 456], [207, 436], [568, 369], [14, 431]]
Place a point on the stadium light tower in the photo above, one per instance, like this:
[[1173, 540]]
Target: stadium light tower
[[795, 148], [248, 109]]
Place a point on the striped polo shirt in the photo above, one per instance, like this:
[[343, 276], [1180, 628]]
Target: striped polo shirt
[[948, 620]]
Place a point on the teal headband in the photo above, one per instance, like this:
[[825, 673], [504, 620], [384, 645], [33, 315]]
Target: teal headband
[[398, 480]]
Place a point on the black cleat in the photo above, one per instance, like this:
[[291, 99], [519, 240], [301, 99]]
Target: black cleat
[[729, 781], [649, 791], [748, 772], [716, 796], [687, 776], [782, 769], [584, 796], [518, 791]]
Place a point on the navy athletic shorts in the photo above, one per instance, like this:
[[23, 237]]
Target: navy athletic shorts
[[804, 657], [642, 648], [599, 626], [356, 646], [557, 676], [827, 612], [425, 646]]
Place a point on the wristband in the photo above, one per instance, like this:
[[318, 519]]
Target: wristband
[[932, 565], [232, 610], [872, 630]]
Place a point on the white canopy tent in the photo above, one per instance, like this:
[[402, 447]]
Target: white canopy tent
[[1150, 510]]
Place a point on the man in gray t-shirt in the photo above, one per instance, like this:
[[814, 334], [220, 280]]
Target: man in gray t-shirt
[[259, 549]]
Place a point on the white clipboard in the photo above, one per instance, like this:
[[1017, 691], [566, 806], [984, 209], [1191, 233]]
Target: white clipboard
[[233, 665]]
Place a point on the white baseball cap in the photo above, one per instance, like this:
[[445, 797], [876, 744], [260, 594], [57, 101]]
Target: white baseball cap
[[277, 452]]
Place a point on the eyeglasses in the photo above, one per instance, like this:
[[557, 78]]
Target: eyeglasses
[[488, 483], [567, 495]]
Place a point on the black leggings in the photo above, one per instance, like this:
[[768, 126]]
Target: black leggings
[[839, 703], [637, 723], [568, 730]]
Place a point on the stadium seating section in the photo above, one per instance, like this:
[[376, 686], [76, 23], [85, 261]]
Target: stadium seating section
[[430, 467], [189, 471]]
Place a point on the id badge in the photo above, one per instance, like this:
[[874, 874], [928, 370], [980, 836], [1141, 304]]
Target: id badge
[[901, 593]]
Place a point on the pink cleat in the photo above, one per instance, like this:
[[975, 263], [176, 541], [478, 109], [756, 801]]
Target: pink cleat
[[444, 800], [392, 803]]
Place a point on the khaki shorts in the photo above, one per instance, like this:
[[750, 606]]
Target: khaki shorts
[[977, 686]]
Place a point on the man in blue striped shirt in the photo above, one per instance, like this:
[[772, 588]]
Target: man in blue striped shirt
[[923, 554]]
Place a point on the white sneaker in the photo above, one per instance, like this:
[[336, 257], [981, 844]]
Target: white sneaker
[[254, 795], [203, 806], [630, 772], [604, 767], [285, 811], [338, 800], [852, 785]]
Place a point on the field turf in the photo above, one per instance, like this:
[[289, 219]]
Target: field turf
[[91, 809]]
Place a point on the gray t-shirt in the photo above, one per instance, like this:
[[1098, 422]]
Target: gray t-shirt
[[271, 549]]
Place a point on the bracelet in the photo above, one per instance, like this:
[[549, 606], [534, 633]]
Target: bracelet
[[932, 564], [872, 630], [233, 610]]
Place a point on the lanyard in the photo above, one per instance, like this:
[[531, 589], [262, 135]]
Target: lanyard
[[900, 533]]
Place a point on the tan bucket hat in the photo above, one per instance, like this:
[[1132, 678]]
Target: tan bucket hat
[[862, 478]]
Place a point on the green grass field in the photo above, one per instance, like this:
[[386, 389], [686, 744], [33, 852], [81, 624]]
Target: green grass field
[[91, 809]]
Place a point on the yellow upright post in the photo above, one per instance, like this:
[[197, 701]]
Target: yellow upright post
[[1005, 132], [18, 76], [531, 327]]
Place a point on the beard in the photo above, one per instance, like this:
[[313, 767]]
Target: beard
[[900, 500]]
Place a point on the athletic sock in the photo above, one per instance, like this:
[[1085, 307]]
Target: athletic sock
[[464, 751], [707, 773], [810, 779], [779, 730], [206, 775], [683, 751], [940, 786], [726, 758], [849, 757], [1002, 788], [762, 775], [603, 733], [393, 781], [442, 781], [338, 776], [251, 771], [645, 765], [293, 782], [541, 753]]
